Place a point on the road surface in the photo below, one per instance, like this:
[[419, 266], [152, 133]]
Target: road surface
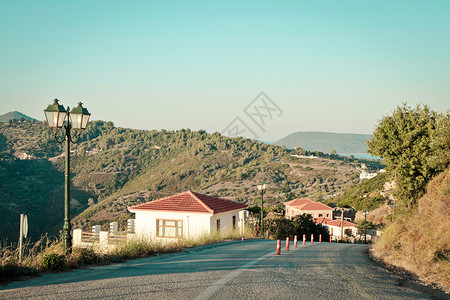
[[231, 270]]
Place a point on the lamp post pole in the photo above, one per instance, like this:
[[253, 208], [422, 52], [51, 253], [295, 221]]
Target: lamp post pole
[[365, 225], [67, 237], [262, 187], [58, 118]]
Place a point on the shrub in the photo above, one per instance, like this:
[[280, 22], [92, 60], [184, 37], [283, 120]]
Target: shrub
[[53, 262], [87, 256]]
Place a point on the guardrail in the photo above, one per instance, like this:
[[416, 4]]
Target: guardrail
[[90, 237], [119, 238]]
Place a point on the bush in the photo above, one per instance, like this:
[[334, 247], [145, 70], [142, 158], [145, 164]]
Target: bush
[[87, 256], [53, 262], [280, 227]]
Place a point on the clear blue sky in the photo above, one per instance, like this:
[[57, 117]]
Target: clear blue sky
[[329, 65]]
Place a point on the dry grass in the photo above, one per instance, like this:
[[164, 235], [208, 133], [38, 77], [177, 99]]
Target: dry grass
[[34, 255], [420, 242]]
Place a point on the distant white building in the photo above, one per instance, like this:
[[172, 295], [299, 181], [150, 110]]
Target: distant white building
[[366, 175], [303, 156], [186, 214]]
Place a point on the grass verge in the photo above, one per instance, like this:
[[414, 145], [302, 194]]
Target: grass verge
[[47, 254]]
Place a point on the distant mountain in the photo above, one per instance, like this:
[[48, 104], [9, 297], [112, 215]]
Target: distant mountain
[[15, 115], [326, 142]]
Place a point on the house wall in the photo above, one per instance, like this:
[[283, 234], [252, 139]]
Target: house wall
[[336, 230], [318, 213], [226, 221], [194, 225], [291, 212]]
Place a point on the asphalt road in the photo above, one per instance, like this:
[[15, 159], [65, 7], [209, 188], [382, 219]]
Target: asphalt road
[[231, 270]]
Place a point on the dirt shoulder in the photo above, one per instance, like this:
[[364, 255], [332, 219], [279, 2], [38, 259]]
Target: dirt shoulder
[[411, 280]]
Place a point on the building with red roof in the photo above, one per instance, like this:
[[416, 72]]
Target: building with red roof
[[305, 206], [187, 214], [336, 226]]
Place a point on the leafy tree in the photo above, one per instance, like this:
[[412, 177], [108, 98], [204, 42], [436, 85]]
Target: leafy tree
[[440, 143], [363, 226], [403, 139]]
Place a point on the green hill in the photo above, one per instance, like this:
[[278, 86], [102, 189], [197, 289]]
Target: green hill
[[326, 142], [115, 167], [364, 196]]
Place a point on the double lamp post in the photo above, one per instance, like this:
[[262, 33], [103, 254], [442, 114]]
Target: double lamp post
[[77, 119]]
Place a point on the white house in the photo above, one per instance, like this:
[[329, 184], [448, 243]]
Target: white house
[[305, 206], [186, 214], [334, 227]]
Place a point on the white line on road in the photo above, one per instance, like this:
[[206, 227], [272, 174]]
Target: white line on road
[[224, 280]]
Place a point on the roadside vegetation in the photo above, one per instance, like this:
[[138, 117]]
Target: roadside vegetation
[[415, 143], [47, 254], [420, 241], [280, 228], [364, 196]]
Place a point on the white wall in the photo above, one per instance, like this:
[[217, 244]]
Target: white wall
[[194, 225], [226, 221], [337, 230], [314, 213]]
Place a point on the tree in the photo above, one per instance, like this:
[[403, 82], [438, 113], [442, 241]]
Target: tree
[[403, 139], [333, 152], [440, 143], [363, 226]]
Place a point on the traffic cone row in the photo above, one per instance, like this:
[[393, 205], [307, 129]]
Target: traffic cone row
[[295, 242]]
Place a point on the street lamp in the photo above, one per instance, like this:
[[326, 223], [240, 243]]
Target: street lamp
[[262, 187], [78, 118], [365, 213]]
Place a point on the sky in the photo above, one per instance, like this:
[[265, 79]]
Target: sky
[[261, 69]]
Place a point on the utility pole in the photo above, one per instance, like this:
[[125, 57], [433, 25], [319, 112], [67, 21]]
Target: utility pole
[[342, 224]]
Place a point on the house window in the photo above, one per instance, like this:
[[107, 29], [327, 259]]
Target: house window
[[169, 228], [218, 225], [328, 215], [320, 215], [234, 222]]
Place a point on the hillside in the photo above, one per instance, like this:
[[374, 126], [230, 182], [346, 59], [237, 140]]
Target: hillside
[[116, 167], [15, 115], [420, 242], [367, 195], [326, 142]]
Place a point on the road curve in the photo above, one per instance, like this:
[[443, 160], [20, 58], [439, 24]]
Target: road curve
[[230, 270]]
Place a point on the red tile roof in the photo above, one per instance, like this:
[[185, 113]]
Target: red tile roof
[[322, 220], [297, 202], [306, 204], [326, 221], [338, 223], [314, 206], [189, 202]]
